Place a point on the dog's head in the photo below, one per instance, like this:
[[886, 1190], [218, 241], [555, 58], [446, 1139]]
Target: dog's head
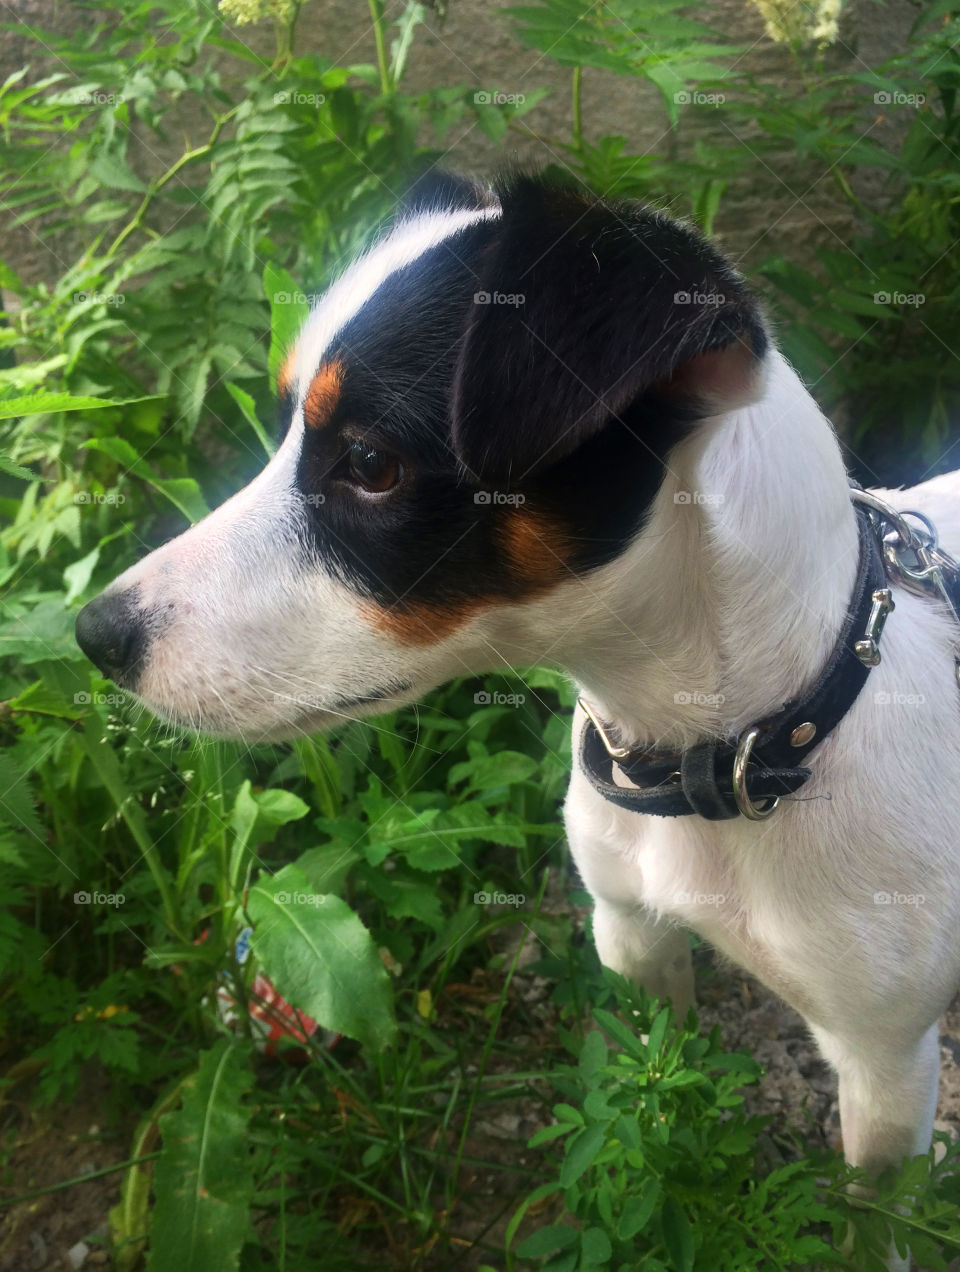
[[477, 419]]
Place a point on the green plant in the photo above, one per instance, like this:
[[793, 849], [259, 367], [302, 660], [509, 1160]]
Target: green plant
[[659, 1166]]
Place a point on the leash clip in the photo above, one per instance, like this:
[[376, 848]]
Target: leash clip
[[868, 649]]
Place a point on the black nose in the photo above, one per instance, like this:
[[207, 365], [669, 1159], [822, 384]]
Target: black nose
[[112, 633]]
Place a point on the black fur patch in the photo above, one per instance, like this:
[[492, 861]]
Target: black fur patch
[[533, 434]]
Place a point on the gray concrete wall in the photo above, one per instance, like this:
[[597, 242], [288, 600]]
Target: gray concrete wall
[[777, 206]]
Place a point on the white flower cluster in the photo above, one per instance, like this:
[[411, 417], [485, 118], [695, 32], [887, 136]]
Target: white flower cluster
[[243, 12], [789, 22]]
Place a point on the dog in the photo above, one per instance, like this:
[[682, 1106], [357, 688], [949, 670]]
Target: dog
[[529, 426]]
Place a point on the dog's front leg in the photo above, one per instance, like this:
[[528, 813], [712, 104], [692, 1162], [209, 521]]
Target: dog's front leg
[[630, 937], [652, 951], [888, 1100]]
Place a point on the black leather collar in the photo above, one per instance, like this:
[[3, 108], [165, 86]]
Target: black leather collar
[[700, 779]]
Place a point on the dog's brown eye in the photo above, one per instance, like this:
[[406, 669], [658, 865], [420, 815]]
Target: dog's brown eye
[[374, 470]]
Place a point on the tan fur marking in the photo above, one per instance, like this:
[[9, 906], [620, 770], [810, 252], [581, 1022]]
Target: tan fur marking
[[323, 395], [535, 550], [535, 547], [423, 624]]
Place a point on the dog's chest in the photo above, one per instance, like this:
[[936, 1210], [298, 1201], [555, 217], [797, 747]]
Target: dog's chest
[[684, 869]]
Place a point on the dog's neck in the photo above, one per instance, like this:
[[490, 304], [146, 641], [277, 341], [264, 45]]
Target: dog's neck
[[729, 602]]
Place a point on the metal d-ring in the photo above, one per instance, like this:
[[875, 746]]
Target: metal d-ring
[[755, 812]]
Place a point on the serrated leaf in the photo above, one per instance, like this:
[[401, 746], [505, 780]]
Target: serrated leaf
[[16, 800], [17, 470], [114, 174], [47, 403]]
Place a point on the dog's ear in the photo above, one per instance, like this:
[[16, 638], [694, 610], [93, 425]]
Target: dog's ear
[[581, 307]]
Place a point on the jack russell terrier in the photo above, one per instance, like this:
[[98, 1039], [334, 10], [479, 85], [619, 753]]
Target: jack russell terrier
[[526, 427]]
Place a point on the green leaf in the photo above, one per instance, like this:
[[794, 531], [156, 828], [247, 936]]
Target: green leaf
[[46, 403], [288, 312], [321, 958], [595, 1246], [17, 470], [593, 1055], [580, 1153], [638, 1210], [546, 1134], [489, 771], [620, 1033], [40, 699], [16, 800], [249, 411], [183, 492], [558, 1236], [677, 1235], [255, 817], [185, 495], [203, 1179], [77, 575], [657, 1031]]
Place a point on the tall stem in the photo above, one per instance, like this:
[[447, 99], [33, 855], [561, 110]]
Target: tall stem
[[577, 110], [376, 12]]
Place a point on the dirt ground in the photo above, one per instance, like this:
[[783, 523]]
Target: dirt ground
[[67, 1229]]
